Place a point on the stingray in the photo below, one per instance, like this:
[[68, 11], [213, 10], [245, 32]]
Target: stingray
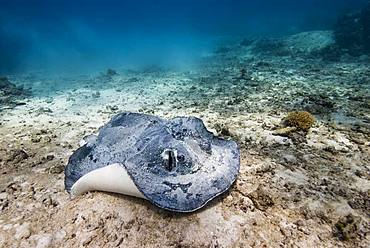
[[176, 164]]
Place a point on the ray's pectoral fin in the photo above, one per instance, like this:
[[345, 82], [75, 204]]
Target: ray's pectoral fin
[[111, 178], [176, 164]]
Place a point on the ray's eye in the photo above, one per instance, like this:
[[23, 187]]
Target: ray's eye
[[169, 160]]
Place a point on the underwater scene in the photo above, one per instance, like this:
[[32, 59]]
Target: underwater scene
[[184, 123]]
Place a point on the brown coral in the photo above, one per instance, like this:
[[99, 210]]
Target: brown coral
[[302, 120]]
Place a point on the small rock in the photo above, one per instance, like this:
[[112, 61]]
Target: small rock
[[42, 131], [47, 139], [57, 169], [47, 201], [86, 238], [112, 108], [132, 80], [59, 235], [299, 223], [36, 139], [49, 100], [50, 157], [112, 238], [23, 231], [289, 158], [222, 129], [44, 241], [96, 94], [17, 156], [3, 196], [347, 227], [129, 224], [4, 204], [261, 199], [119, 242], [43, 110], [304, 230], [285, 131]]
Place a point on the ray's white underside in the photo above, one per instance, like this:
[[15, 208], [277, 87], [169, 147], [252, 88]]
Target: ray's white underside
[[111, 178]]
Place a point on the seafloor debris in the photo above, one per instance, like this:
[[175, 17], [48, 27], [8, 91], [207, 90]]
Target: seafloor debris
[[178, 164]]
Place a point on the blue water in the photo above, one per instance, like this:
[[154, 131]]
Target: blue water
[[79, 36]]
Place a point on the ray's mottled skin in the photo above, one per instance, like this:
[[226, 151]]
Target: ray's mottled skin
[[177, 164]]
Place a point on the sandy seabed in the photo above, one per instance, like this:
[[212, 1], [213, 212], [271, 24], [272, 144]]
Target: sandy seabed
[[295, 189]]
